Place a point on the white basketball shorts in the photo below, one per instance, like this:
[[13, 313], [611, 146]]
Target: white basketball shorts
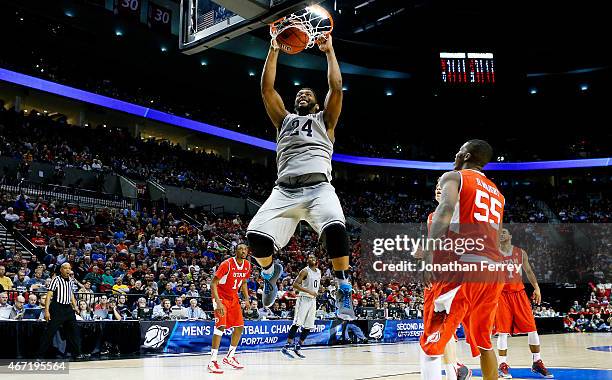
[[280, 214], [305, 310]]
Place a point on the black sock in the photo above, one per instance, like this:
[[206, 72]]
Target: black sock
[[292, 332], [342, 274], [303, 334], [268, 266]]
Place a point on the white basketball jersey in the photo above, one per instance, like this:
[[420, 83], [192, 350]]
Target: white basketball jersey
[[303, 147], [312, 282]]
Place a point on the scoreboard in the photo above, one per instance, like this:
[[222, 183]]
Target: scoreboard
[[159, 15], [467, 69]]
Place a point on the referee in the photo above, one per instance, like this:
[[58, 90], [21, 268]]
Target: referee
[[60, 311]]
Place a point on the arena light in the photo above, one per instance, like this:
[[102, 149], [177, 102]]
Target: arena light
[[152, 114], [533, 91], [584, 87]]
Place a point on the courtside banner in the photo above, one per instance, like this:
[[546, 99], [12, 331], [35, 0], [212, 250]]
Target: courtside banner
[[404, 330], [196, 336]]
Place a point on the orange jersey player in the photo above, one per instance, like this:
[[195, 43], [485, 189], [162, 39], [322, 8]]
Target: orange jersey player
[[453, 369], [514, 314], [230, 278], [470, 207]]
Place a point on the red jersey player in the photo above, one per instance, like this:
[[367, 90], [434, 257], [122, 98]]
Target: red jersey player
[[231, 277], [452, 368], [475, 206], [514, 315]]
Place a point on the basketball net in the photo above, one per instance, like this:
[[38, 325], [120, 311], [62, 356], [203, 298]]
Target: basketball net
[[315, 21]]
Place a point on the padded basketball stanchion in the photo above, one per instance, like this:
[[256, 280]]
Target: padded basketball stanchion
[[305, 26]]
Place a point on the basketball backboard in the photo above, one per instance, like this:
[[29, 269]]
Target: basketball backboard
[[206, 23]]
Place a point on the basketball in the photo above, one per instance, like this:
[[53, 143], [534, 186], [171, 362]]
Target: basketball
[[292, 40]]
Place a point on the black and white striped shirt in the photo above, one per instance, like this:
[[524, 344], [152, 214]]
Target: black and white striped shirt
[[62, 290]]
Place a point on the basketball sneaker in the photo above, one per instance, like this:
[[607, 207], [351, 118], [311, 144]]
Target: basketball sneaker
[[285, 351], [296, 351], [539, 368], [214, 367], [270, 289], [504, 371], [344, 302], [232, 362], [463, 372]]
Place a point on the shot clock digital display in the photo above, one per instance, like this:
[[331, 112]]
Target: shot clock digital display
[[467, 69]]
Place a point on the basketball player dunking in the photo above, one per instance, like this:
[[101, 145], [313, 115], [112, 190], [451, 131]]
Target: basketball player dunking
[[475, 206], [307, 283], [305, 141], [230, 278], [452, 368], [514, 314]]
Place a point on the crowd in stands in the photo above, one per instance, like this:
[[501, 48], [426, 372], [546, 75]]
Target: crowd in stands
[[149, 263], [593, 314], [39, 137]]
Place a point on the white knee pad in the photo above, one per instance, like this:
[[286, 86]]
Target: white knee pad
[[218, 332], [533, 338], [502, 341]]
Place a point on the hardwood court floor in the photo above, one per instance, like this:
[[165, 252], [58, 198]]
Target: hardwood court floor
[[567, 355]]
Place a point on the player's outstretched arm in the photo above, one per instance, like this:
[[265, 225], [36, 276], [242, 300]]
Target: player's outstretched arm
[[271, 98], [537, 296], [333, 100]]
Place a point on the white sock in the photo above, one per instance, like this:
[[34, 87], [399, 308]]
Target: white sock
[[213, 354], [231, 352], [451, 371], [269, 270], [431, 367], [503, 359], [536, 356]]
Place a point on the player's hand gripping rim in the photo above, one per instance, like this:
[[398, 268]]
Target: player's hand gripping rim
[[325, 43]]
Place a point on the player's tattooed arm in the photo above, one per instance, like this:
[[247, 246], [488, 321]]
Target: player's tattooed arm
[[273, 102], [537, 295], [333, 100]]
